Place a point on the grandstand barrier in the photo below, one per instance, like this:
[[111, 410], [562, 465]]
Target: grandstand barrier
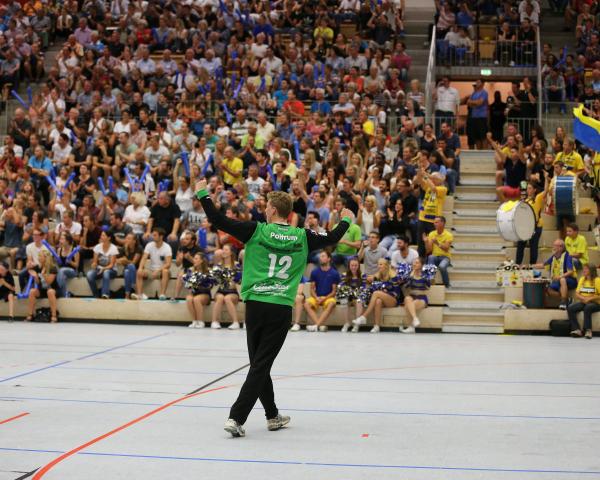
[[536, 320]]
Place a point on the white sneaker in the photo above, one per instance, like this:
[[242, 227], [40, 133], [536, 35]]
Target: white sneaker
[[323, 328], [193, 324], [362, 320], [355, 329], [215, 325], [346, 327], [410, 329], [375, 329], [200, 324], [296, 327], [144, 296], [134, 296], [416, 322], [234, 428], [278, 422], [234, 326], [162, 298], [311, 328]]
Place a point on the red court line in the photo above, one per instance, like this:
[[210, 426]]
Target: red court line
[[14, 418], [42, 471]]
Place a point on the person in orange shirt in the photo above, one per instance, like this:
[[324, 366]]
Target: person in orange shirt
[[293, 106]]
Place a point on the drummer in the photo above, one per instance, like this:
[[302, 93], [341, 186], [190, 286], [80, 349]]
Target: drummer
[[562, 273], [535, 199], [511, 168]]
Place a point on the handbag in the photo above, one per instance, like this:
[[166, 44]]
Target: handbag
[[42, 315]]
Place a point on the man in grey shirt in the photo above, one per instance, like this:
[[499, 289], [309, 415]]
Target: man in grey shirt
[[370, 252]]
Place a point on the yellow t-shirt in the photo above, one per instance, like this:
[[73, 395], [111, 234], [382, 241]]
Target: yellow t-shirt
[[572, 161], [235, 165], [433, 204], [443, 237], [326, 33], [538, 205], [369, 128], [589, 288], [578, 245]]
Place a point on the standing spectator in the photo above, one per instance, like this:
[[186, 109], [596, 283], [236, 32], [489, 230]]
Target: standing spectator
[[369, 217], [588, 296], [447, 101], [348, 246], [11, 227], [536, 202], [155, 264], [432, 205], [555, 90], [103, 266], [477, 120], [323, 286], [438, 244]]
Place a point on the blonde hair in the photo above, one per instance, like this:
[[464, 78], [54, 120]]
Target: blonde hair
[[389, 273], [310, 157], [139, 198], [282, 202]]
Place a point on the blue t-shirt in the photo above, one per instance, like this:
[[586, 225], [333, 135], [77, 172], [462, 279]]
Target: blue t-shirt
[[324, 280], [482, 110], [323, 107]]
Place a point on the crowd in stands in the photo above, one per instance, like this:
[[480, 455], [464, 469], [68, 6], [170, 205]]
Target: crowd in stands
[[97, 171]]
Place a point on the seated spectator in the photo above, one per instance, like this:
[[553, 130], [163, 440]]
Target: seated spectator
[[90, 237], [129, 258], [588, 301], [68, 225], [69, 262], [323, 285], [562, 273], [155, 264], [228, 281], [403, 254], [396, 225], [32, 251], [199, 296], [576, 246], [11, 228], [7, 289], [438, 244], [416, 298], [103, 266], [165, 214], [44, 285], [370, 252], [137, 214], [387, 294]]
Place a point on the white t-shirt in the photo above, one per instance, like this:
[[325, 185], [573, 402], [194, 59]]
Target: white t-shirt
[[155, 156], [120, 127], [61, 209], [255, 186], [183, 199], [157, 256], [33, 252], [75, 228], [60, 155], [104, 256], [132, 215], [397, 257]]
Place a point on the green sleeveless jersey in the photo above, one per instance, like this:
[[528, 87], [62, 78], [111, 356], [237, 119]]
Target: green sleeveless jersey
[[274, 261]]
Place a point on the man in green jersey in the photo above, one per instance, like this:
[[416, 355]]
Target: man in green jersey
[[274, 260]]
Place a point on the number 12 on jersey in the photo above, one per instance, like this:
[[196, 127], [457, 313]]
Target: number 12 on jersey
[[284, 263]]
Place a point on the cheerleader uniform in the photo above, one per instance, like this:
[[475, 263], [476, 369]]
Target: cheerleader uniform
[[392, 288], [418, 286], [227, 287], [204, 288], [355, 284]]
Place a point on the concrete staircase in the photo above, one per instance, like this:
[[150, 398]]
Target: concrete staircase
[[418, 16], [473, 300]]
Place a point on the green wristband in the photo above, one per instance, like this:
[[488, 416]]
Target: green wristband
[[200, 194], [348, 219]]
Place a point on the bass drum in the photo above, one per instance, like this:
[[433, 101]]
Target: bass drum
[[566, 196], [516, 221]]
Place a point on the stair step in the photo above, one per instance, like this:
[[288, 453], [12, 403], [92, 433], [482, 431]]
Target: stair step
[[478, 229], [487, 257], [475, 238], [487, 222], [474, 305], [479, 180], [473, 284], [475, 213], [475, 264], [463, 190], [471, 247], [473, 321], [474, 295], [475, 197], [472, 275]]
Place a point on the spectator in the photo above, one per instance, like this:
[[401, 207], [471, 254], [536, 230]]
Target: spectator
[[32, 251], [165, 214], [137, 214], [477, 121], [511, 169], [129, 258], [562, 273], [416, 298], [348, 246], [103, 266], [44, 285], [370, 252], [432, 205], [155, 264], [323, 286], [403, 254], [438, 244], [388, 294], [555, 90], [11, 226], [69, 262], [227, 294], [199, 297], [369, 217], [7, 289], [588, 296], [576, 246]]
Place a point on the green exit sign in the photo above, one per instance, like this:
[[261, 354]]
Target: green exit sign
[[486, 72]]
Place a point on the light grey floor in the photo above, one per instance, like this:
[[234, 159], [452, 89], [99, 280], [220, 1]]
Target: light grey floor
[[429, 406]]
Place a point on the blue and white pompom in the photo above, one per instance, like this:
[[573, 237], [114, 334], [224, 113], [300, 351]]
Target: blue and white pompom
[[429, 272], [345, 292], [218, 274], [364, 295], [197, 280], [404, 271]]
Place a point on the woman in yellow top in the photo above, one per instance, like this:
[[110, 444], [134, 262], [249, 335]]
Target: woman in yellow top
[[588, 301], [535, 199]]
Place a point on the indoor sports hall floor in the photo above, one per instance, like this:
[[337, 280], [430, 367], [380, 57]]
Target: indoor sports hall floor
[[387, 406]]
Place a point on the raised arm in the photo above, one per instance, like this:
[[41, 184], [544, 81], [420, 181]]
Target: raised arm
[[317, 241], [243, 231]]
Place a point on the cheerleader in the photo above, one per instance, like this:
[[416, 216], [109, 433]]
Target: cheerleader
[[299, 305], [417, 285], [349, 289], [227, 272], [198, 280], [386, 293]]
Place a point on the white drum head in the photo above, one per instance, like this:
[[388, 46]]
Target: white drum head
[[524, 221]]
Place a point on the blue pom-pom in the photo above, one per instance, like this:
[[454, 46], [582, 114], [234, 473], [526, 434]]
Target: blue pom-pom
[[429, 272], [404, 270]]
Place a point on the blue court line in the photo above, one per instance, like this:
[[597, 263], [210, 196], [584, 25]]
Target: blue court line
[[342, 377], [84, 357], [320, 464], [314, 410]]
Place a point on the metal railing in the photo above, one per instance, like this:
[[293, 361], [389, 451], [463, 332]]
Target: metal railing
[[488, 52], [430, 80]]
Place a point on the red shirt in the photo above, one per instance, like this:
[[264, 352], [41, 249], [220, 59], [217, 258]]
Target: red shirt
[[295, 106]]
